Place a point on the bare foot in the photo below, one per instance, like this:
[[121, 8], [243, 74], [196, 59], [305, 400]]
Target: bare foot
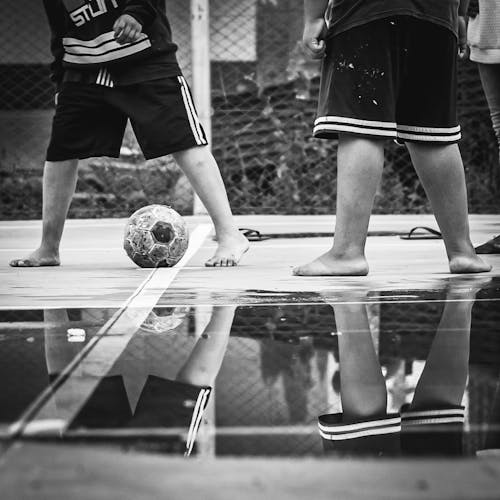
[[326, 265], [37, 259], [464, 287], [468, 264], [229, 252]]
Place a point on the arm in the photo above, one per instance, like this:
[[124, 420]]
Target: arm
[[143, 11], [462, 29], [314, 27], [136, 15], [55, 17]]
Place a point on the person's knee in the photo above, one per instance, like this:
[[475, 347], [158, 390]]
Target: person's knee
[[194, 156], [360, 140], [433, 150], [62, 164]]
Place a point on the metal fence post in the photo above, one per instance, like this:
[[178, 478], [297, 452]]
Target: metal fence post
[[200, 44]]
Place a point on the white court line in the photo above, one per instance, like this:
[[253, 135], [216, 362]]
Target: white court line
[[81, 249], [265, 244], [250, 430], [53, 411], [121, 222]]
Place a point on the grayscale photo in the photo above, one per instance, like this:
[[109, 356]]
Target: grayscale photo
[[249, 249]]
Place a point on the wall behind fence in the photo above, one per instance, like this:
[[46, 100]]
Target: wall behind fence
[[263, 103]]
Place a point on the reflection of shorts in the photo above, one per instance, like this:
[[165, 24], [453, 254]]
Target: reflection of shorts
[[90, 119], [378, 436], [435, 431], [162, 404], [393, 78]]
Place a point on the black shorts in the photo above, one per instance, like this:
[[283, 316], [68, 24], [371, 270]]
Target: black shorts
[[393, 78], [363, 437], [90, 119], [432, 431], [162, 404]]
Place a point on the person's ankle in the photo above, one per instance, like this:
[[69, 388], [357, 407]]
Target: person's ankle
[[48, 248], [226, 232], [462, 252], [348, 253]]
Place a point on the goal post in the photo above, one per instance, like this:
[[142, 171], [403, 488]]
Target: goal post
[[201, 86]]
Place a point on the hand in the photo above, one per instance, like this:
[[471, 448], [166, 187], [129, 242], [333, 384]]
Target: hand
[[463, 48], [313, 38], [127, 29], [56, 98]]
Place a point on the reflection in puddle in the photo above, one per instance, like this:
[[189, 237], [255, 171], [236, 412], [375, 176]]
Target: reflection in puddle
[[432, 421], [383, 378], [35, 345], [148, 389]]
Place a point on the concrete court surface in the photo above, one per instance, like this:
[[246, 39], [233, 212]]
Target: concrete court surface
[[49, 472], [97, 273]]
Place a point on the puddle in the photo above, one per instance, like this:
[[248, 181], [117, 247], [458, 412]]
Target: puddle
[[383, 376], [35, 346], [344, 290]]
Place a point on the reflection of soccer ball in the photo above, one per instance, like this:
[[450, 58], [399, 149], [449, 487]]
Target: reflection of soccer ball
[[155, 236], [161, 319]]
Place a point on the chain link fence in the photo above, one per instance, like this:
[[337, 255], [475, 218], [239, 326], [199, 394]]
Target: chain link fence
[[263, 94]]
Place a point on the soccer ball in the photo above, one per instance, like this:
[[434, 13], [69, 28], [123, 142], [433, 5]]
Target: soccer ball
[[155, 236], [162, 320]]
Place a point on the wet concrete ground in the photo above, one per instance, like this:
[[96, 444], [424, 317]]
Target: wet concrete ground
[[250, 362]]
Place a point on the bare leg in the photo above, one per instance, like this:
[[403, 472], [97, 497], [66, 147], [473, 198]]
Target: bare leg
[[205, 360], [362, 385], [490, 79], [58, 351], [444, 377], [360, 163], [202, 171], [59, 182], [441, 171]]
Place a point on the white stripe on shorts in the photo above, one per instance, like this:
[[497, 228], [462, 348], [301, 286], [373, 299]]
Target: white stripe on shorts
[[430, 138], [386, 129], [429, 130], [377, 431], [104, 78], [194, 122], [196, 420], [353, 129], [355, 121]]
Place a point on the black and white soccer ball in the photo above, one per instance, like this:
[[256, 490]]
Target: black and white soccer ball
[[156, 236], [164, 319]]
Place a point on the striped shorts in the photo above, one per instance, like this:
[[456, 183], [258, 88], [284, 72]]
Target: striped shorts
[[394, 78], [90, 119]]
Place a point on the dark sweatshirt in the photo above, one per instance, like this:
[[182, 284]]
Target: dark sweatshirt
[[82, 41], [343, 15]]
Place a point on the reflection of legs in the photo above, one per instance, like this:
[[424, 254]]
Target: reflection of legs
[[362, 385], [201, 169], [445, 374], [59, 182], [359, 169], [58, 351], [441, 171], [205, 360]]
